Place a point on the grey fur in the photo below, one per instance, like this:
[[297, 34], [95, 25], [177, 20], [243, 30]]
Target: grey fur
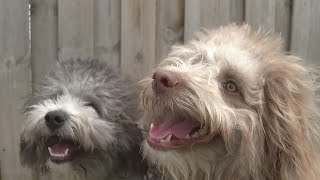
[[88, 81]]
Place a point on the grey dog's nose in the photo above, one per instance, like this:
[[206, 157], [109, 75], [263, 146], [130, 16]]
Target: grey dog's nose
[[55, 119], [165, 78]]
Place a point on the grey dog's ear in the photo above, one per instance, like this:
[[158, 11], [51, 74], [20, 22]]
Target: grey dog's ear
[[288, 109]]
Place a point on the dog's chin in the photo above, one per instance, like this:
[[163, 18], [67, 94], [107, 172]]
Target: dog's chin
[[196, 162], [65, 170]]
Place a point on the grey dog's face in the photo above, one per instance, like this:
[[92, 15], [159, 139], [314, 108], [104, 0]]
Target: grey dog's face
[[75, 117], [215, 106], [69, 126]]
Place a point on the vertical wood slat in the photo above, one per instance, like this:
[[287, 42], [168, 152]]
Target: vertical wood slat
[[271, 15], [305, 30], [15, 78], [44, 44], [211, 14], [107, 30], [44, 41], [191, 19], [169, 26], [75, 29], [137, 38]]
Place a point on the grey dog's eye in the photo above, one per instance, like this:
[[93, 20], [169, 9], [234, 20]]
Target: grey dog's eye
[[89, 104], [231, 86], [92, 105]]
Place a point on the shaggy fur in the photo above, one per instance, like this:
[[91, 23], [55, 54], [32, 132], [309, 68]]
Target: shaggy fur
[[101, 121], [266, 129]]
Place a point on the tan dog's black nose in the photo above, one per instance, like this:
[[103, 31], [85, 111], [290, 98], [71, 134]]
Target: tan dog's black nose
[[165, 78]]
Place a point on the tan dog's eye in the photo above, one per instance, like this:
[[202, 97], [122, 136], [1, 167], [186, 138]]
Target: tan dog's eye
[[231, 86]]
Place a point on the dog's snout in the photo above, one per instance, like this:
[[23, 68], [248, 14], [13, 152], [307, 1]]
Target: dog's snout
[[55, 119], [165, 78]]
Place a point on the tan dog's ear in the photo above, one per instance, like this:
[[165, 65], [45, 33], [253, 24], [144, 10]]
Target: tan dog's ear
[[287, 118]]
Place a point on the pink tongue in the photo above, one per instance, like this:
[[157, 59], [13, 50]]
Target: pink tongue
[[60, 148], [177, 126]]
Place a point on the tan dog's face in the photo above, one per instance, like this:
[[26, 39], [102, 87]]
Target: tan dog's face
[[196, 97], [205, 104]]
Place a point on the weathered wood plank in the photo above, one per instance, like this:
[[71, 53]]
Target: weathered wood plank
[[192, 18], [271, 15], [107, 26], [137, 38], [169, 26], [15, 80], [305, 39], [211, 14], [75, 28], [44, 41]]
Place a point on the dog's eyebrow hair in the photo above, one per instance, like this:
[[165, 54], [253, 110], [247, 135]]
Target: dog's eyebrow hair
[[231, 73], [93, 102]]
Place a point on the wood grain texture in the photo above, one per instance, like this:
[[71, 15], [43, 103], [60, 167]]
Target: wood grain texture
[[192, 18], [211, 14], [75, 28], [107, 30], [15, 79], [169, 26], [271, 15], [44, 41], [137, 38], [305, 38]]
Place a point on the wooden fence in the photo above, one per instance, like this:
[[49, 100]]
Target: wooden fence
[[132, 35]]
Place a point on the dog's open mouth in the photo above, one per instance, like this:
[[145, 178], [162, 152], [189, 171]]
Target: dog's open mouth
[[177, 133], [62, 150]]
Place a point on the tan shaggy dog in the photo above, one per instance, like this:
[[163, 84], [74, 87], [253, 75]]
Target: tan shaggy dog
[[231, 105]]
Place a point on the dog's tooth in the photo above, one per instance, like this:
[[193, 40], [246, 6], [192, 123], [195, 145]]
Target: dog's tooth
[[168, 138], [66, 152], [151, 126], [162, 140], [187, 136], [50, 150]]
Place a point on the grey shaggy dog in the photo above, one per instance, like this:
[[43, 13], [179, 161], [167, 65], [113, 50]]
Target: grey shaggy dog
[[80, 124]]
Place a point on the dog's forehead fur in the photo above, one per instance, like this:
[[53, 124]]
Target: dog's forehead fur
[[89, 81], [233, 47], [81, 77], [232, 52]]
